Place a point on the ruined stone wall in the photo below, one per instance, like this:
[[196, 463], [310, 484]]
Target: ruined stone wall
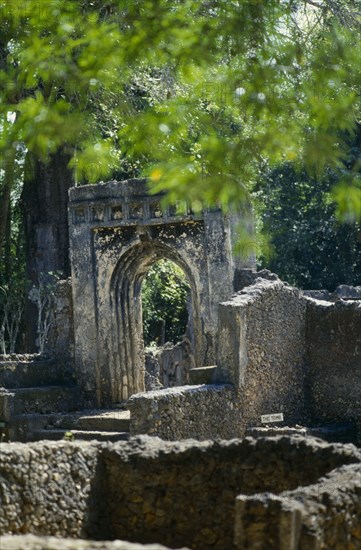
[[201, 412], [148, 490], [117, 231], [322, 515], [262, 350], [334, 359], [169, 365], [292, 353], [187, 495], [48, 489], [17, 371]]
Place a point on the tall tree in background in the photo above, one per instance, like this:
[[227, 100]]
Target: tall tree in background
[[48, 72], [307, 243], [46, 68]]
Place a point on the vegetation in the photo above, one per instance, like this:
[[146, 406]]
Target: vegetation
[[307, 244], [213, 101], [44, 298], [165, 296]]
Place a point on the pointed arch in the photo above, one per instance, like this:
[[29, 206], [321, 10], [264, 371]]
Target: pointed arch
[[126, 307]]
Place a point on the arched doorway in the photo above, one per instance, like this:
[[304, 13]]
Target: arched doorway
[[167, 326], [127, 313], [117, 231], [165, 304]]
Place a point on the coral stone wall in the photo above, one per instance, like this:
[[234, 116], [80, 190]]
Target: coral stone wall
[[185, 493], [334, 359], [283, 352], [261, 350], [201, 412], [47, 489], [174, 493], [322, 515]]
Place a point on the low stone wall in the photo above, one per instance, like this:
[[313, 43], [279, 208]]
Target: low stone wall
[[261, 351], [334, 359], [323, 515], [185, 494], [175, 493], [48, 489], [201, 412]]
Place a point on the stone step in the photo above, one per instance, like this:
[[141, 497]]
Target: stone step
[[79, 435], [24, 425], [46, 399], [110, 421], [30, 374]]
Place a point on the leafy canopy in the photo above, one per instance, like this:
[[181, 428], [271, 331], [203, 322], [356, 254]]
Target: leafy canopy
[[308, 246], [257, 79]]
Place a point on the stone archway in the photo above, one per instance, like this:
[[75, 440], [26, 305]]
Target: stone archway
[[117, 230], [127, 314]]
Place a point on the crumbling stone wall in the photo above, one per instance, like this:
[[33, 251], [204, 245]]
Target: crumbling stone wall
[[334, 359], [175, 364], [202, 412], [117, 231], [149, 490], [32, 370], [187, 496], [261, 350], [48, 489], [291, 352], [169, 365], [283, 351], [322, 515], [152, 378]]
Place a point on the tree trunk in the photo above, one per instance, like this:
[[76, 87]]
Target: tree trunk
[[5, 193], [45, 204]]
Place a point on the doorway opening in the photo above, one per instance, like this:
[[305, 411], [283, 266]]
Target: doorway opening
[[166, 297], [167, 326]]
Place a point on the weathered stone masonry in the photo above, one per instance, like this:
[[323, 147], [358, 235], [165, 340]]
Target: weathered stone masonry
[[267, 340], [278, 352], [201, 412], [117, 230], [184, 493], [333, 355], [261, 350]]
